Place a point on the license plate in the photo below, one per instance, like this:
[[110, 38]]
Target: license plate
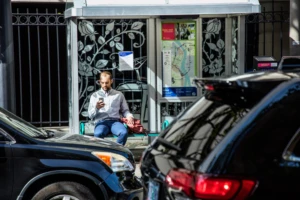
[[153, 190]]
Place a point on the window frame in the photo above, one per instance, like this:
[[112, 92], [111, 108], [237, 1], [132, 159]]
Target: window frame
[[287, 154], [11, 140]]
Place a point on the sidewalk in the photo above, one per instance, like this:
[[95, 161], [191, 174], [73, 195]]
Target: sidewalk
[[138, 170]]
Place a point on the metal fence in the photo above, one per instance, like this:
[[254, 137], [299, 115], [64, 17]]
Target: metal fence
[[40, 63], [266, 34]]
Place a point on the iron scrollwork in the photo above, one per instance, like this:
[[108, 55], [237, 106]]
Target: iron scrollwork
[[268, 17], [99, 43], [234, 46], [38, 19], [213, 47]]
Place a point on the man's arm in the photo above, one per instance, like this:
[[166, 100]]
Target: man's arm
[[92, 110], [124, 107]]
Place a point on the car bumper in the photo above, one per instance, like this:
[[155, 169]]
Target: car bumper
[[131, 189]]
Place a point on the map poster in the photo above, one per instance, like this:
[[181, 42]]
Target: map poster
[[179, 68], [168, 31]]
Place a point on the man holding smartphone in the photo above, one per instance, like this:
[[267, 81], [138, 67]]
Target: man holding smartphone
[[105, 107]]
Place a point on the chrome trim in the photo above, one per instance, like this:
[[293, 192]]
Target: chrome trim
[[8, 136], [288, 151]]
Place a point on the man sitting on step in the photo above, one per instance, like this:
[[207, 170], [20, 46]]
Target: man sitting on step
[[105, 107]]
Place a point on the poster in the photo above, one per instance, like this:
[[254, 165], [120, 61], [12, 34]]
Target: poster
[[179, 60], [126, 60], [168, 31]]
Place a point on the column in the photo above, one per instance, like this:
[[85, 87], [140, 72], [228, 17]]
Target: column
[[294, 27], [73, 76]]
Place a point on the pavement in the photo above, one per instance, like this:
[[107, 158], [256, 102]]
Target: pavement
[[138, 170]]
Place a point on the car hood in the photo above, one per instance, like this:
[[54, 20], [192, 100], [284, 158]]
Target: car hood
[[85, 142]]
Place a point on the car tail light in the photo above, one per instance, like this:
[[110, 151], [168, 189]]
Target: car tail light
[[209, 187], [209, 87], [215, 188]]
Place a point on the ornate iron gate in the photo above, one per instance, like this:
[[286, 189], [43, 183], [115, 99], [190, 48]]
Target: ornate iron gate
[[40, 63], [263, 27]]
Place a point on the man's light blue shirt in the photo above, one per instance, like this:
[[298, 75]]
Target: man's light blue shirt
[[115, 104]]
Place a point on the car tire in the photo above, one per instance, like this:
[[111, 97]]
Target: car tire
[[59, 190]]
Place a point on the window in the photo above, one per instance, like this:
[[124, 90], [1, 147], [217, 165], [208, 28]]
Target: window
[[296, 150], [20, 125], [267, 136], [292, 151], [199, 129], [3, 138]]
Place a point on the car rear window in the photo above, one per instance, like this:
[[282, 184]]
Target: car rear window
[[201, 127]]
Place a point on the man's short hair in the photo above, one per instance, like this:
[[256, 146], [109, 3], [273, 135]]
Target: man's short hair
[[106, 73]]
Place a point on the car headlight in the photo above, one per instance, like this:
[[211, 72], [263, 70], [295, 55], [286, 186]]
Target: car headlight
[[116, 162]]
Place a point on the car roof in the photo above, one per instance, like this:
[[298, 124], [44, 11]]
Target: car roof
[[245, 90]]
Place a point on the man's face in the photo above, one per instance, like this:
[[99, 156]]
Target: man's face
[[105, 82]]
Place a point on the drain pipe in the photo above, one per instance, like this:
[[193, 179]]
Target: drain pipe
[[7, 68]]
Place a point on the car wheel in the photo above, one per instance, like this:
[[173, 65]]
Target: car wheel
[[64, 191]]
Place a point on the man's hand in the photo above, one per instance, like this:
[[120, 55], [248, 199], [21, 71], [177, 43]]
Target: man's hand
[[100, 104], [130, 120]]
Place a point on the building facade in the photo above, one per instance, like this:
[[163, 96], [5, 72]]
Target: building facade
[[41, 69]]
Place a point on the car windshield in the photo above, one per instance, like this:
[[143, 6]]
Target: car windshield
[[21, 125], [201, 127]]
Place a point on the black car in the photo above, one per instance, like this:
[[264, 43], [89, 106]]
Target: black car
[[234, 143], [289, 62], [40, 165]]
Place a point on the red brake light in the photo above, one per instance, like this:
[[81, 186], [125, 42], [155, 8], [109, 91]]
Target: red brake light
[[215, 188], [206, 187], [209, 87], [181, 180]]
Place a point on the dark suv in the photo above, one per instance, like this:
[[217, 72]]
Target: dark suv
[[234, 143], [38, 165]]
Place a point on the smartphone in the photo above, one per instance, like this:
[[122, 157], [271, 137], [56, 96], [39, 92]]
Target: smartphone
[[101, 99]]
